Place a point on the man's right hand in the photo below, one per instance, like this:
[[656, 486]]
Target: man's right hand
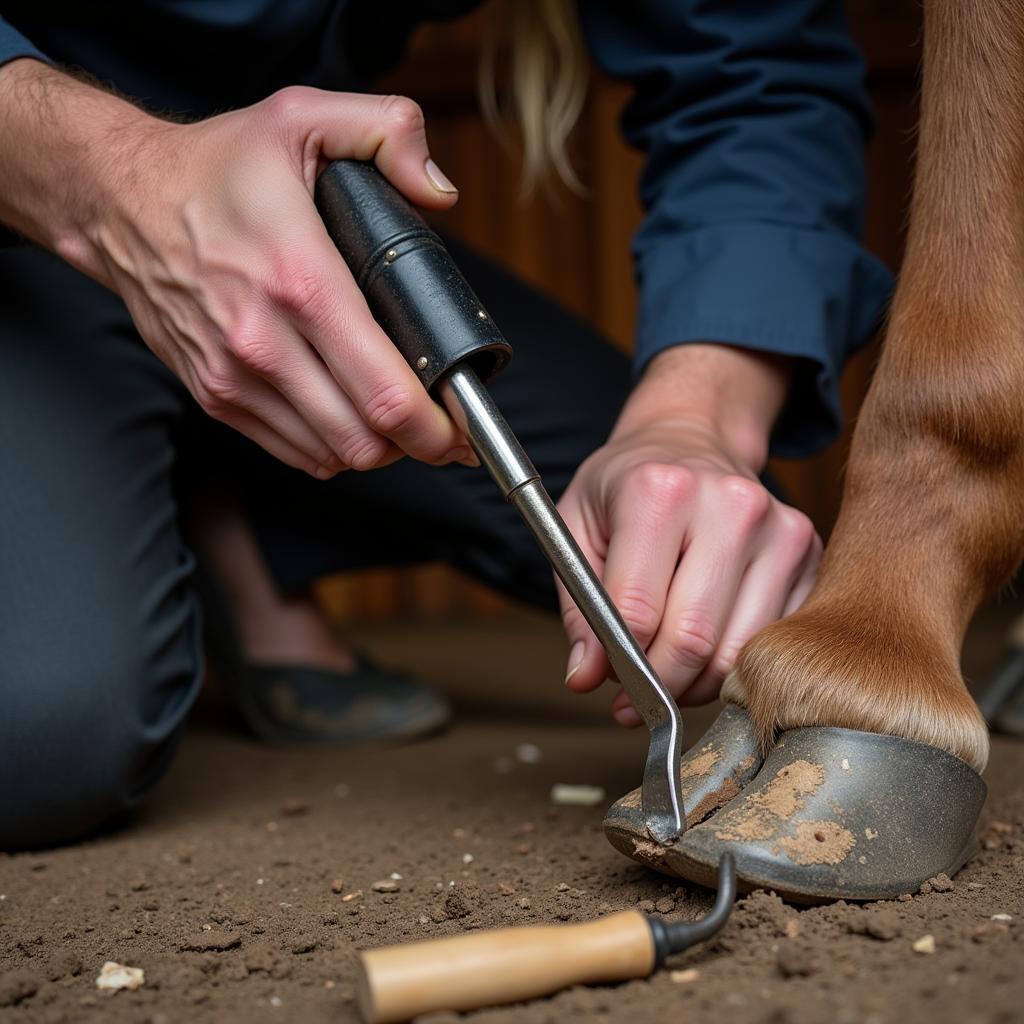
[[209, 233]]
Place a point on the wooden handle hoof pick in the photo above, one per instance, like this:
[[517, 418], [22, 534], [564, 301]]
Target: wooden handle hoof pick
[[480, 969]]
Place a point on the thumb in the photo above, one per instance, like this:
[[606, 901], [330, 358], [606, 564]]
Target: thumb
[[390, 130], [588, 665]]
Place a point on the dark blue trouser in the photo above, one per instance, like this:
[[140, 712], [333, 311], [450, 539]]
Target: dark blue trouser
[[100, 652]]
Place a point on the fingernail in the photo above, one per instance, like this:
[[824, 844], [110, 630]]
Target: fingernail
[[324, 472], [438, 178], [575, 660], [471, 460]]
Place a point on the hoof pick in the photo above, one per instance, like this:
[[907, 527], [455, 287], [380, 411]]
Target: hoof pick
[[424, 304]]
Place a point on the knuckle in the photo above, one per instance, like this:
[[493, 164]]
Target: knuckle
[[402, 114], [639, 610], [360, 449], [797, 529], [253, 349], [218, 392], [662, 482], [692, 641], [299, 291], [390, 409], [285, 106], [209, 403], [746, 499]]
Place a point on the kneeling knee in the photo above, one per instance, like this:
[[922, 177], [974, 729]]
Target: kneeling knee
[[73, 759]]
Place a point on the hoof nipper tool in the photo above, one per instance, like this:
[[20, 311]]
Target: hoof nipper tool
[[422, 301]]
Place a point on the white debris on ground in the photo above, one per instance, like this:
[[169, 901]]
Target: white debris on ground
[[1002, 917], [528, 753], [576, 795], [114, 977], [925, 944], [684, 977]]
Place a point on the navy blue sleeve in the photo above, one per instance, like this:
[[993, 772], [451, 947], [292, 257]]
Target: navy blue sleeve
[[753, 119], [13, 45]]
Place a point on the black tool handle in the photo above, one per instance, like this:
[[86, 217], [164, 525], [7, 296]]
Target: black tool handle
[[412, 285]]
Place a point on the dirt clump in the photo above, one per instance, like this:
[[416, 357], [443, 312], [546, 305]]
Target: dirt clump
[[885, 925], [798, 959], [460, 901], [763, 910], [210, 940], [16, 986]]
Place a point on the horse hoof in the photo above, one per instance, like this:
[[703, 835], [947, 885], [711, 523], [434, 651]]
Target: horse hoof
[[834, 814]]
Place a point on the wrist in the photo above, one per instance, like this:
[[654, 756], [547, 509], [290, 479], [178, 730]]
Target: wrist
[[71, 155], [730, 394]]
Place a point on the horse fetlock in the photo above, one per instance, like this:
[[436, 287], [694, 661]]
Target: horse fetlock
[[834, 667]]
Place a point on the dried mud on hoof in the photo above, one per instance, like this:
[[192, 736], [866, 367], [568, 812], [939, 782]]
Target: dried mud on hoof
[[713, 772], [832, 814]]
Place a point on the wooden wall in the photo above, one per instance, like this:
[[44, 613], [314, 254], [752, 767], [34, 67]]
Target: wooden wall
[[578, 248]]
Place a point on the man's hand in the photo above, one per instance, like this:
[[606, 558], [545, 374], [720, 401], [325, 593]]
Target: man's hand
[[209, 233], [693, 550]]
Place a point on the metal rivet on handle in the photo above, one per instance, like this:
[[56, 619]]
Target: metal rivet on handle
[[480, 313], [422, 362], [391, 255]]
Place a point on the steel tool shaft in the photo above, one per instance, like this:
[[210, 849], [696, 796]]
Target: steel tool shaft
[[429, 311], [471, 406]]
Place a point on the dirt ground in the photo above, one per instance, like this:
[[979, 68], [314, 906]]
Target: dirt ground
[[245, 890]]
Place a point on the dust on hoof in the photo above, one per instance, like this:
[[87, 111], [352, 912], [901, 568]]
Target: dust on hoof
[[766, 814], [712, 773], [818, 842], [833, 814]]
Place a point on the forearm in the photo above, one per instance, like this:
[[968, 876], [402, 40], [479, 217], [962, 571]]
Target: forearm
[[66, 158], [734, 394]]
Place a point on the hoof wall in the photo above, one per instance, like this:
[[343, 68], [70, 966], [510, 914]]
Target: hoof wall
[[832, 814]]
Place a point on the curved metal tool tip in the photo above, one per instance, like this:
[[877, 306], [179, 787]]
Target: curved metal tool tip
[[681, 935], [662, 787]]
